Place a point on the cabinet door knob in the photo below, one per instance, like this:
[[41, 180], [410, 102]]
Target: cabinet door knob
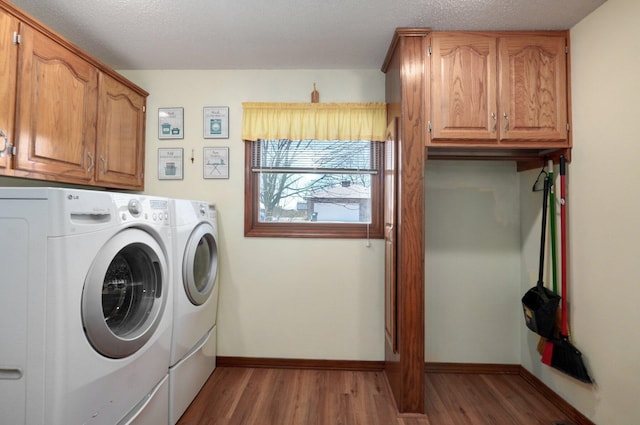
[[506, 123], [495, 122], [104, 164], [92, 163]]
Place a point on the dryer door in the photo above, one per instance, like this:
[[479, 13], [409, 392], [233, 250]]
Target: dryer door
[[200, 264], [125, 293]]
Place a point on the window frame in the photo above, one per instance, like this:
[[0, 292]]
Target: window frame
[[254, 228]]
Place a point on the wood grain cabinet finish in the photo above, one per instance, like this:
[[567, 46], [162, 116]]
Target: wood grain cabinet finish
[[71, 118], [499, 89], [485, 95], [121, 135], [8, 74], [390, 235], [405, 85], [57, 108]]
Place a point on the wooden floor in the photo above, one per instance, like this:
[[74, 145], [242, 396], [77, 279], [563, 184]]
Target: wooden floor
[[263, 396]]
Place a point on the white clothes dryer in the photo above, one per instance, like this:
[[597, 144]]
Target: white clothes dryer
[[86, 303], [193, 348]]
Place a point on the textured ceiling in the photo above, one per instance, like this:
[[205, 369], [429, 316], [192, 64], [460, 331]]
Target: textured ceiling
[[277, 34]]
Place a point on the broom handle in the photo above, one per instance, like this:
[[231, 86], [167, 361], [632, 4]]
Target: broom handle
[[543, 232], [552, 214], [563, 247]]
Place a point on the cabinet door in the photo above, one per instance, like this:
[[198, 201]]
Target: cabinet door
[[121, 132], [463, 87], [8, 69], [533, 88], [57, 109]]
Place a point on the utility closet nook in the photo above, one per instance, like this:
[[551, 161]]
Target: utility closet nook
[[472, 118], [473, 227]]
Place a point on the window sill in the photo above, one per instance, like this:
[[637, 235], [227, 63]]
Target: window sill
[[315, 230]]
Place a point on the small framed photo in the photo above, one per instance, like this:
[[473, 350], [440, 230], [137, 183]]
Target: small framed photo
[[215, 122], [216, 163], [170, 123], [170, 163]]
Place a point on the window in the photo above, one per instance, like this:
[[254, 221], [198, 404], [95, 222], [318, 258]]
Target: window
[[314, 169], [313, 188]]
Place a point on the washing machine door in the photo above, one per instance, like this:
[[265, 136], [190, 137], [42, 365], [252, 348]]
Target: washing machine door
[[125, 293], [200, 264]]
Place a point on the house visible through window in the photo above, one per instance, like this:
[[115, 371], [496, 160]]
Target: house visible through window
[[315, 188]]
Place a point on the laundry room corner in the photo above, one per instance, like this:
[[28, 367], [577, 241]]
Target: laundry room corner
[[279, 297]]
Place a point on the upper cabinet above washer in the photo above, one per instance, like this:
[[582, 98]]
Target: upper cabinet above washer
[[56, 106], [121, 133], [66, 116], [504, 91]]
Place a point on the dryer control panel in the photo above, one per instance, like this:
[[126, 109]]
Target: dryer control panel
[[207, 211], [142, 208]]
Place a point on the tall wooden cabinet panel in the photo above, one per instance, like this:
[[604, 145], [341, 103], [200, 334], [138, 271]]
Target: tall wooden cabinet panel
[[499, 89], [405, 93], [57, 110], [121, 132], [8, 73]]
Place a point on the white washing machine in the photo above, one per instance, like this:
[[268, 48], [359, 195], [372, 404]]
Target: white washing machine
[[193, 350], [85, 307]]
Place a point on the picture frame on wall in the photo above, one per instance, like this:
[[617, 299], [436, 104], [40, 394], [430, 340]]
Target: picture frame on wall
[[215, 120], [170, 163], [170, 123], [215, 163]]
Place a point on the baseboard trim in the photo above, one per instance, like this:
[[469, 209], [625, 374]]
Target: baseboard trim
[[262, 362], [553, 397], [474, 368]]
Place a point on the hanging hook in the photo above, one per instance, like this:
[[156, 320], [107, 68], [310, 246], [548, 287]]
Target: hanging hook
[[538, 185]]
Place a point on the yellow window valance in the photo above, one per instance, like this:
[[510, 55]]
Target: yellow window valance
[[318, 121]]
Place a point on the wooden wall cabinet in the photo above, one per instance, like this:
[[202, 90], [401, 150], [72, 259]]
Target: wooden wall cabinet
[[121, 135], [499, 90], [70, 118], [56, 105]]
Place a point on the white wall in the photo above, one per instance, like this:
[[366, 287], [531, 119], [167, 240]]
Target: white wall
[[603, 204], [472, 267], [279, 297]]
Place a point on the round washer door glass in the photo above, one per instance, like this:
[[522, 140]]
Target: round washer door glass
[[200, 265], [123, 297]]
